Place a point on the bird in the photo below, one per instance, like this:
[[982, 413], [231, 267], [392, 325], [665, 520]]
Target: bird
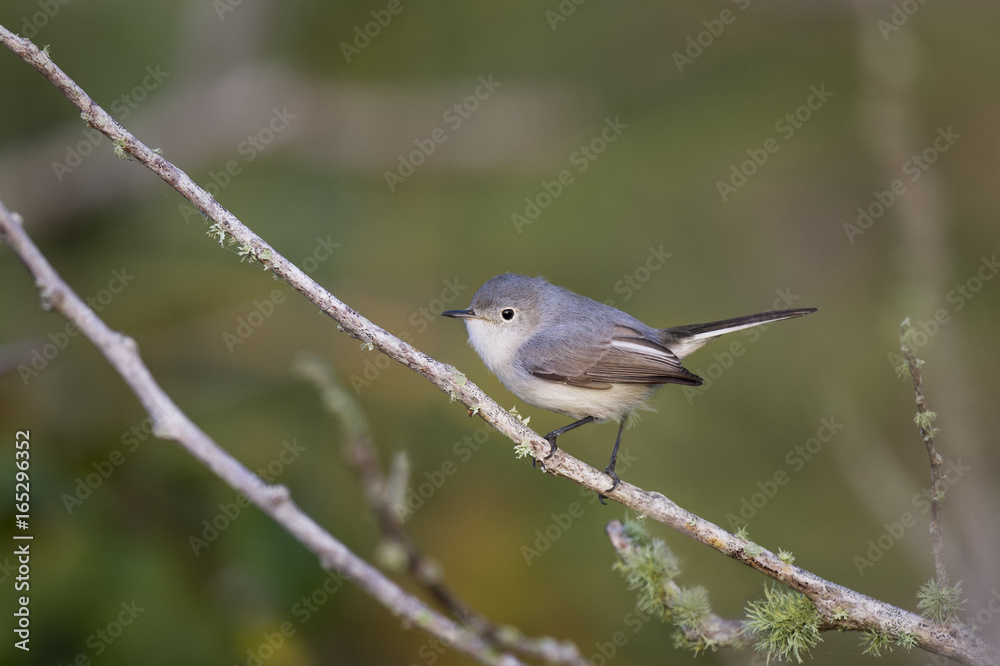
[[566, 353]]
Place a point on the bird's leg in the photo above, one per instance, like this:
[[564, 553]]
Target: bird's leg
[[551, 437], [610, 469]]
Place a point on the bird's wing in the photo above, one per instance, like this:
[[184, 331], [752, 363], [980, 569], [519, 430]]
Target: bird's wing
[[625, 356]]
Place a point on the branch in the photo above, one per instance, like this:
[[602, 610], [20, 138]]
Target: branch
[[938, 600], [707, 630], [923, 419], [380, 493], [169, 422], [846, 608]]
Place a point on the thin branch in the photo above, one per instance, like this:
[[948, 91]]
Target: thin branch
[[713, 630], [927, 431], [893, 66], [890, 72], [169, 422], [362, 455], [854, 610]]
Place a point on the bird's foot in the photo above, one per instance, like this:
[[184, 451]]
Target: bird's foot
[[552, 451], [610, 471]]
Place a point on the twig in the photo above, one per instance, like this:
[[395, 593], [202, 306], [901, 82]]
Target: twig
[[712, 630], [927, 431], [169, 422], [362, 455], [854, 611]]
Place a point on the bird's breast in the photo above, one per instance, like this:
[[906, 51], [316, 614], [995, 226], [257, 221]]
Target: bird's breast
[[495, 346]]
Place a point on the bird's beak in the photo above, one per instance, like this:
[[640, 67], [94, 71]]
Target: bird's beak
[[460, 314]]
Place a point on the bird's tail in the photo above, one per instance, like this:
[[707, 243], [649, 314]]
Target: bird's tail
[[683, 340]]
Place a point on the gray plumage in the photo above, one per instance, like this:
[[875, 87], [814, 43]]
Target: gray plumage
[[568, 340], [560, 351]]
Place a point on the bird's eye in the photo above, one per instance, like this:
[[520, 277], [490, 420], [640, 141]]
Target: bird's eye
[[507, 314]]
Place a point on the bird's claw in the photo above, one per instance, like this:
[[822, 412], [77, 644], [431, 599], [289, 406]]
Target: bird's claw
[[552, 450], [614, 477]]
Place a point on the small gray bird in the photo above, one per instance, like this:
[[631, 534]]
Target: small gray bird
[[564, 352]]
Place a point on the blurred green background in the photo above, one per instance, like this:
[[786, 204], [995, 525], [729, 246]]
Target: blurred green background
[[294, 117]]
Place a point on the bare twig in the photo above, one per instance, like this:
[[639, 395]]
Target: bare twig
[[363, 457], [169, 422], [894, 67], [852, 610], [927, 431], [890, 72]]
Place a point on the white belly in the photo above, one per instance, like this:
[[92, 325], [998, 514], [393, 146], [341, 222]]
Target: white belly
[[576, 402]]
